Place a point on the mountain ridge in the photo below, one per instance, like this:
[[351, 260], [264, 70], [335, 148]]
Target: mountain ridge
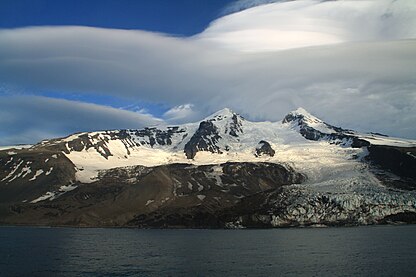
[[198, 166]]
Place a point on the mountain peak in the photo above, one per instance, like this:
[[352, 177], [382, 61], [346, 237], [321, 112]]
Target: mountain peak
[[222, 114], [313, 128], [224, 111], [302, 115], [301, 111]]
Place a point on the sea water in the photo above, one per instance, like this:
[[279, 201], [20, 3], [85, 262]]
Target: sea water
[[354, 251]]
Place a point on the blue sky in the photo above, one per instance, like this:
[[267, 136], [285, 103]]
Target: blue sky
[[179, 17], [73, 66]]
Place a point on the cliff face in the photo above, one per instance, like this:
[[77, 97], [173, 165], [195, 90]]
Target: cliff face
[[398, 160]]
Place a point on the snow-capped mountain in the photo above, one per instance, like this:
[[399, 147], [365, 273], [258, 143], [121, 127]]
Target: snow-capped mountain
[[224, 171]]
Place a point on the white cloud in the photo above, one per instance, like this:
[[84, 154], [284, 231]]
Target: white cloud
[[181, 114], [366, 82], [302, 23]]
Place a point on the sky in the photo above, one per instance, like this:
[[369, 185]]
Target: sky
[[179, 17], [72, 66]]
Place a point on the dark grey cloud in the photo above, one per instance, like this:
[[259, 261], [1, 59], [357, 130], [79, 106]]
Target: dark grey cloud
[[29, 119]]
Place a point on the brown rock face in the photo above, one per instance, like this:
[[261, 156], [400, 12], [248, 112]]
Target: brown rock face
[[176, 195]]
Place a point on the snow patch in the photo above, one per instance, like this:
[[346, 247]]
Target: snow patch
[[14, 169], [149, 202], [51, 195], [49, 171], [25, 171], [200, 187], [411, 155], [37, 173], [66, 188]]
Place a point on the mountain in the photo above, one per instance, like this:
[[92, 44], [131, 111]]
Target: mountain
[[222, 172]]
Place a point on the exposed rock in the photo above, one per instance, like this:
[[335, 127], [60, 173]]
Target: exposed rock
[[403, 217], [156, 136], [235, 126], [100, 140], [204, 139], [399, 160], [264, 148], [176, 195], [31, 173]]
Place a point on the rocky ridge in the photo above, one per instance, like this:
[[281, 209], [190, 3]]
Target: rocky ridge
[[222, 172]]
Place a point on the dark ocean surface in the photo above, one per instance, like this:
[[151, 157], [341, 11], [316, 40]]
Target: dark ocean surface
[[355, 251]]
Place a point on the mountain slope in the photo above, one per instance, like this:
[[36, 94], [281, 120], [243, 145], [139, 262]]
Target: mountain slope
[[224, 171]]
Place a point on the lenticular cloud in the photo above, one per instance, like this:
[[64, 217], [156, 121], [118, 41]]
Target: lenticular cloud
[[352, 63], [302, 23]]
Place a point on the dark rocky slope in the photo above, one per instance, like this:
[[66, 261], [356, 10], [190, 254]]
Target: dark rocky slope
[[176, 195]]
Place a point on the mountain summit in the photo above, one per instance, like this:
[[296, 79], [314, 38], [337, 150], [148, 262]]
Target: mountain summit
[[223, 113], [224, 171]]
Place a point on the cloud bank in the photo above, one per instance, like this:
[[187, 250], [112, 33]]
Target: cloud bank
[[302, 23], [352, 63], [29, 119]]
